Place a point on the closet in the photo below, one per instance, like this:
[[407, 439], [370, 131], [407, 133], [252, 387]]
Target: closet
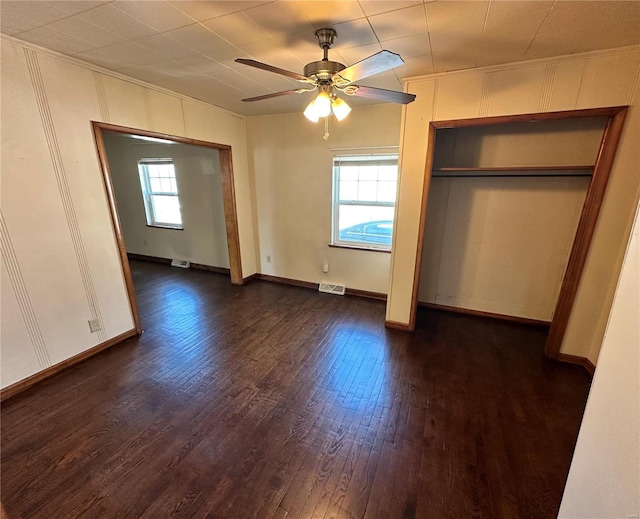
[[503, 207]]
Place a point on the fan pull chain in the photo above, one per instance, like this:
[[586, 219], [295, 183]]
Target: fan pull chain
[[326, 128]]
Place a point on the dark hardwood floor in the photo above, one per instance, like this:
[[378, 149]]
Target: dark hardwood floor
[[273, 401]]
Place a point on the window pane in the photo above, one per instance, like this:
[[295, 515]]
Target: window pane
[[166, 209], [349, 172], [386, 191], [348, 190], [160, 193], [365, 225], [388, 173], [367, 191], [372, 182], [360, 214], [369, 173], [156, 185], [163, 181]]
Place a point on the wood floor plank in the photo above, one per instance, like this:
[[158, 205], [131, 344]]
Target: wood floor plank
[[265, 400]]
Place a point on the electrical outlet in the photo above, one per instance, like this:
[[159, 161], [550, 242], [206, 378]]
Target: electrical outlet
[[268, 259], [94, 325]]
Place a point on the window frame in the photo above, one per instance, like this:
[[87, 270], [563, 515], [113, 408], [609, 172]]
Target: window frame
[[148, 193], [339, 159]]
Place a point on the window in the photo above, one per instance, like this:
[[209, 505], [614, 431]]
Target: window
[[160, 193], [364, 196]]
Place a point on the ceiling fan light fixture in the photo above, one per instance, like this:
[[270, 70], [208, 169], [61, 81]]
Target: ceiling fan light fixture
[[311, 112], [319, 107], [322, 104], [340, 108]]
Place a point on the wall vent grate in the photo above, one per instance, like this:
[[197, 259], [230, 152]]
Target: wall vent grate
[[183, 264], [332, 288]]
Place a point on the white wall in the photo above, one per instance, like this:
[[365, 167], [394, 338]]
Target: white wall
[[60, 264], [566, 83], [203, 238], [292, 169], [604, 479]]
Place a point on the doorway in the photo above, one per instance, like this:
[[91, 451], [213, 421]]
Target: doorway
[[171, 198]]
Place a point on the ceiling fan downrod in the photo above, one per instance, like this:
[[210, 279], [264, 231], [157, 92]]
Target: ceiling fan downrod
[[326, 38], [322, 71]]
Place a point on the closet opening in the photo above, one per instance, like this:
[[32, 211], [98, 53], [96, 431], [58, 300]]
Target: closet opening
[[509, 209]]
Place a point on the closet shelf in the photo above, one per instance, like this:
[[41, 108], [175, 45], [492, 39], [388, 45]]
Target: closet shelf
[[573, 170]]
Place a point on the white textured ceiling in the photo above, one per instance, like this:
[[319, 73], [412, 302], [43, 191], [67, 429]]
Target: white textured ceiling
[[190, 46]]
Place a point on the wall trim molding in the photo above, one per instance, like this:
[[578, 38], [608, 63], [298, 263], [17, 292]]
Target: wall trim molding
[[395, 325], [631, 49], [211, 268], [101, 93], [167, 261], [378, 296], [490, 315], [485, 97], [547, 87], [285, 281], [64, 191], [586, 229], [151, 259], [24, 384], [575, 359], [366, 294], [21, 294]]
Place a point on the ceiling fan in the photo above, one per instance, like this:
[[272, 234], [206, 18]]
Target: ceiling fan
[[331, 77]]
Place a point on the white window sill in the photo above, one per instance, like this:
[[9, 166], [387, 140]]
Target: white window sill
[[358, 247]]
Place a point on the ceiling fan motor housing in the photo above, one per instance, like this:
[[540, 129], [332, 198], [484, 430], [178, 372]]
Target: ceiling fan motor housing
[[328, 75], [322, 70]]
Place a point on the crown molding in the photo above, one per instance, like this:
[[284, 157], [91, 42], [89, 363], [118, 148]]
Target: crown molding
[[107, 72], [634, 49]]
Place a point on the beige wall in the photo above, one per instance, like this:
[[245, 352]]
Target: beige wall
[[569, 142], [60, 265], [604, 479], [501, 244], [567, 83], [203, 238], [292, 169]]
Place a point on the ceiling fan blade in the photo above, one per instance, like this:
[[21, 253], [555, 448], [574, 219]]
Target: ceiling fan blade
[[374, 64], [271, 68], [278, 94], [392, 96]]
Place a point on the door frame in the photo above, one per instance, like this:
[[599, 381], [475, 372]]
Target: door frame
[[588, 217], [228, 199]]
